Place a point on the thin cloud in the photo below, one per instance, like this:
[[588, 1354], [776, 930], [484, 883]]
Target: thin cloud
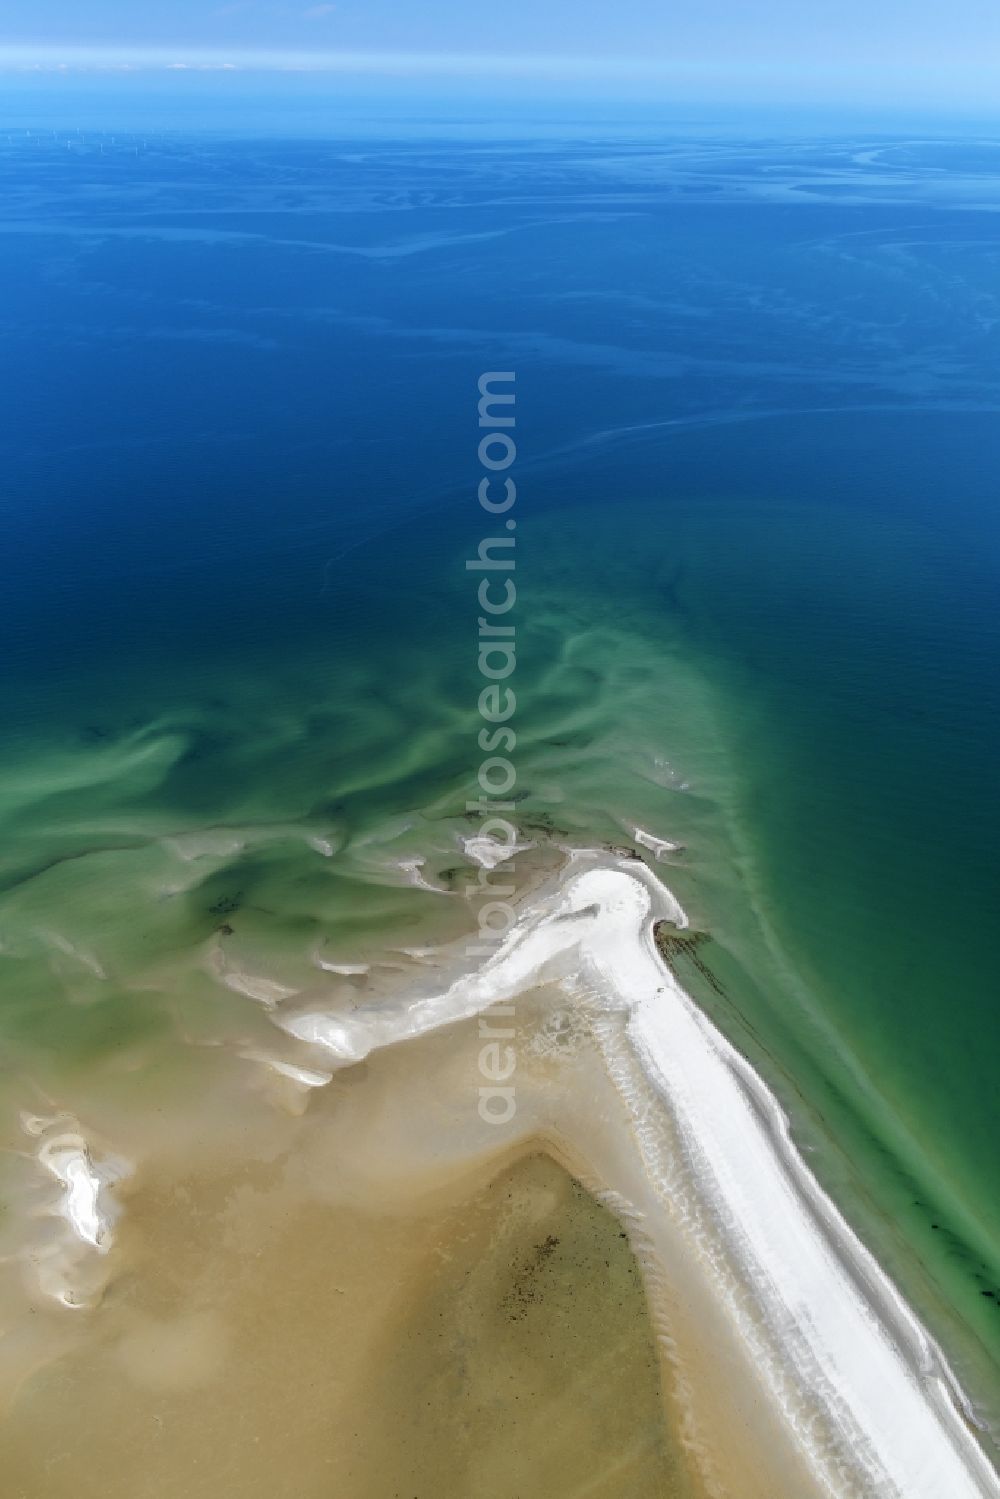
[[456, 64], [657, 78]]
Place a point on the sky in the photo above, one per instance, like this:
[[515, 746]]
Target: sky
[[911, 49]]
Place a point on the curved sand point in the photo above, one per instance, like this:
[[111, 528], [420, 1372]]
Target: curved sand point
[[714, 1188]]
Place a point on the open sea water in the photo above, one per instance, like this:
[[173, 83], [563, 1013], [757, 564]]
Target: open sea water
[[758, 557]]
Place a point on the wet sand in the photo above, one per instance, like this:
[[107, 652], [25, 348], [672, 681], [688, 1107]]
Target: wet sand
[[377, 1295], [359, 1300], [332, 1275], [264, 1345]]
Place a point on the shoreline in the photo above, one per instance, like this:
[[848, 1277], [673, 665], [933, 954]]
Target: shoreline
[[797, 1365], [864, 1393]]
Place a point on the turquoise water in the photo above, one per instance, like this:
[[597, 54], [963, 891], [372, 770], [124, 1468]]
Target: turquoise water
[[758, 553]]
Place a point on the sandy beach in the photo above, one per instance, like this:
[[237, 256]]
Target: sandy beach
[[751, 1345], [707, 1176]]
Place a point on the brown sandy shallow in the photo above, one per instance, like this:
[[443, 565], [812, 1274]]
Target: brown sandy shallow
[[382, 1297], [273, 1347]]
